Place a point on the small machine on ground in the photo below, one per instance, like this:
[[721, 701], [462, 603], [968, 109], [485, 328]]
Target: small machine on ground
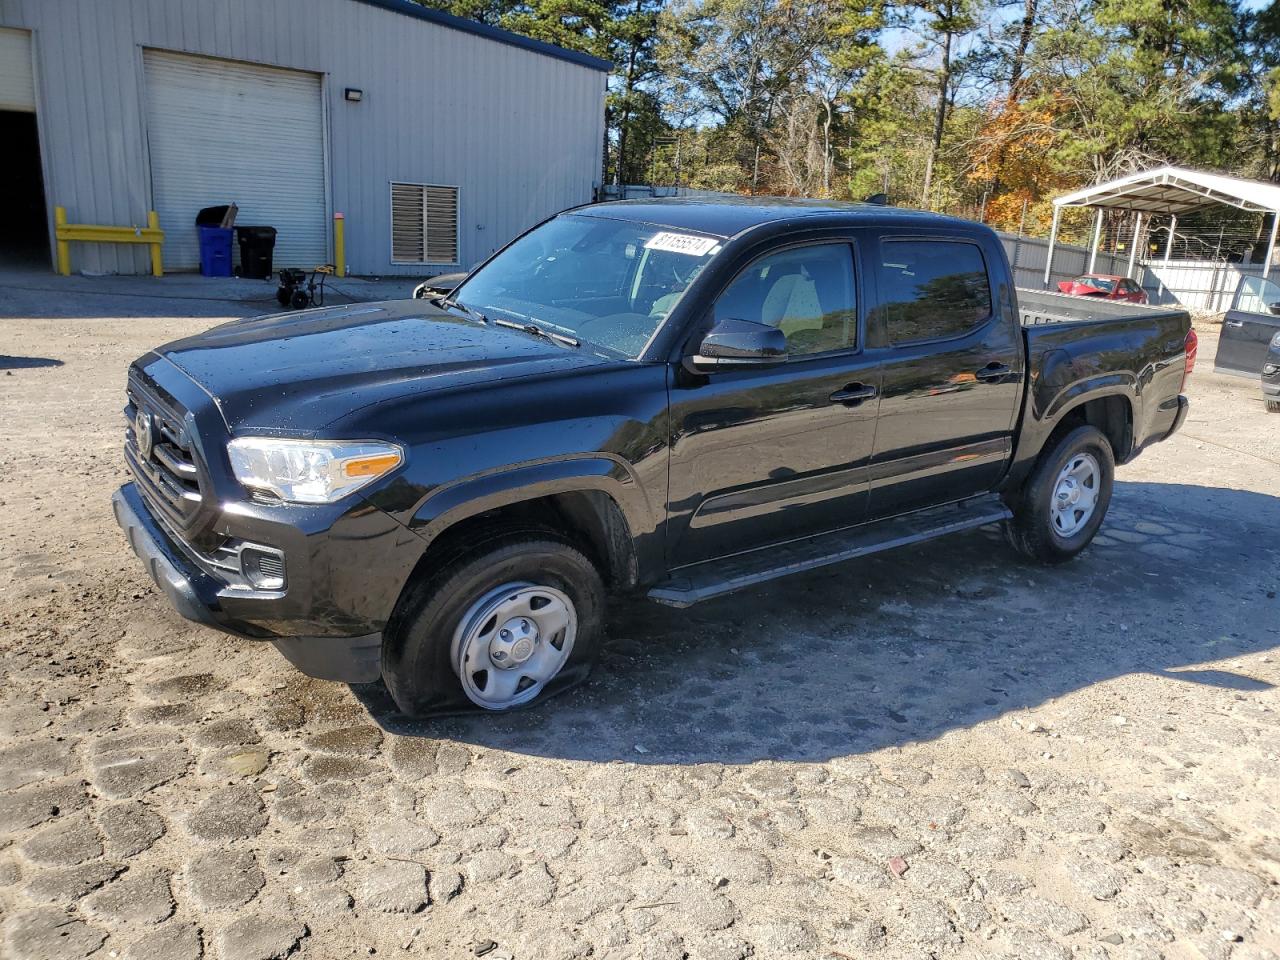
[[298, 291]]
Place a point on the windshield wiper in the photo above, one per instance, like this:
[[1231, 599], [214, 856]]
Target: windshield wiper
[[471, 311], [537, 331]]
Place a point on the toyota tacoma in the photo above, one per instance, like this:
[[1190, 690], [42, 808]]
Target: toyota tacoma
[[672, 398]]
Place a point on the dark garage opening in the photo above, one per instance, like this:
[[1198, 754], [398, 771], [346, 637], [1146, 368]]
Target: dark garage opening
[[25, 237]]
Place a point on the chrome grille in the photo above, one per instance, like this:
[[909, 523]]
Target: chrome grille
[[167, 473]]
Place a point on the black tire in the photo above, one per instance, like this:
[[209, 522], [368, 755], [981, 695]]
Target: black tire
[[283, 296], [417, 656], [1273, 406], [1032, 531]]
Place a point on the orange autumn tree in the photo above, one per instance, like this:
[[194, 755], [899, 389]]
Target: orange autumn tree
[[1013, 154]]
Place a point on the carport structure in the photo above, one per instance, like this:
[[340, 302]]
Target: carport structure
[[1167, 191]]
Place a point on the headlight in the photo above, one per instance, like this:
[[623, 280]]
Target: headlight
[[1275, 341], [311, 471], [1269, 368]]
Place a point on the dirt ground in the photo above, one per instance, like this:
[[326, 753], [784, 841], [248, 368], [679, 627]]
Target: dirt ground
[[941, 752]]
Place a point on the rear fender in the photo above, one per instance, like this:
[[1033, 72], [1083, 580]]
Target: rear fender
[[1052, 406], [1054, 395]]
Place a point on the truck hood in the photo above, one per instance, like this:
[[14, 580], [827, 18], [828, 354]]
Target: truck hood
[[299, 372]]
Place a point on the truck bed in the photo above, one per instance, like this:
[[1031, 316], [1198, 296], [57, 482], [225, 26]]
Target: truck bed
[[1037, 307]]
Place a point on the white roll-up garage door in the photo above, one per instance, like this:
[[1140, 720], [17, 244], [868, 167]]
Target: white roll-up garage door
[[222, 132], [17, 86]]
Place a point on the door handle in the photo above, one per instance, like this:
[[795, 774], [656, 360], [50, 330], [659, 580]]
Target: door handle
[[992, 373], [854, 394], [1235, 323]]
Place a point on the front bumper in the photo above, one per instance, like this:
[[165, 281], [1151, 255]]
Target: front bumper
[[200, 597], [192, 593]]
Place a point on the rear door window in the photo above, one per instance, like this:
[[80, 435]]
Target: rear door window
[[932, 289]]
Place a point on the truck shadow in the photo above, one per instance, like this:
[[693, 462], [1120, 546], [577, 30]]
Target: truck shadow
[[912, 644], [27, 363]]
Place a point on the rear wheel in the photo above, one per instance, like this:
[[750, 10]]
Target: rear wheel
[[501, 627], [1064, 501]]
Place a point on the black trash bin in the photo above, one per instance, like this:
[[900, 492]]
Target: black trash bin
[[256, 247], [212, 216]]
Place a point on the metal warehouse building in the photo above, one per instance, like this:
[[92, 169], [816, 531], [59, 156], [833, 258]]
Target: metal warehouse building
[[437, 138]]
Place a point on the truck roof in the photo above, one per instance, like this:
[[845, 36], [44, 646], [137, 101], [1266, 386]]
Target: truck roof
[[729, 216]]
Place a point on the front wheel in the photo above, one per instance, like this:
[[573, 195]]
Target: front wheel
[[1273, 406], [509, 624], [1063, 503]]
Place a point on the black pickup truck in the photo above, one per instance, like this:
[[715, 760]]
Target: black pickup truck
[[673, 398]]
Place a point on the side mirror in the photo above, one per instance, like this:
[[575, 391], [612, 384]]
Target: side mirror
[[1274, 307], [737, 344], [439, 286]]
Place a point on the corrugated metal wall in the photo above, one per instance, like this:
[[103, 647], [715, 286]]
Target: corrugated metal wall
[[518, 132], [1196, 284], [1027, 256]]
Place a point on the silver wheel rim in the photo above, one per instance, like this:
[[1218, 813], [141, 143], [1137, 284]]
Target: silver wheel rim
[[1075, 495], [511, 642]]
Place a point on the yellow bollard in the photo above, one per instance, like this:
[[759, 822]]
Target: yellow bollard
[[340, 244], [157, 264], [64, 248]]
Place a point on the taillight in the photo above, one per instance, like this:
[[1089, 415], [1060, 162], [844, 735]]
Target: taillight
[[1192, 345]]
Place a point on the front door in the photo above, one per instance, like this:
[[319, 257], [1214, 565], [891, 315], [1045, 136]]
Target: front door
[[952, 374], [1254, 318], [769, 455]]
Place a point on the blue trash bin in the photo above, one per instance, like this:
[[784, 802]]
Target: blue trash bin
[[215, 251]]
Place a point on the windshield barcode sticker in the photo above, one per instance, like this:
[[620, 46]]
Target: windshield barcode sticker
[[681, 243]]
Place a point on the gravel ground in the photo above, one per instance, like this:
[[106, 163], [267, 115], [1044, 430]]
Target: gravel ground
[[941, 752]]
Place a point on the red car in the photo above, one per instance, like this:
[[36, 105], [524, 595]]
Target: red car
[[1107, 287]]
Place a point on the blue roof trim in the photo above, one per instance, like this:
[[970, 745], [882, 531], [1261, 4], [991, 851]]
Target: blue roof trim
[[410, 9]]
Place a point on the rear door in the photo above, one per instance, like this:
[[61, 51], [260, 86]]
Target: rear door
[[951, 371], [1254, 318]]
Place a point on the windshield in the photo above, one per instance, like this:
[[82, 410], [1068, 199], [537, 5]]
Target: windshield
[[1104, 284], [608, 283]]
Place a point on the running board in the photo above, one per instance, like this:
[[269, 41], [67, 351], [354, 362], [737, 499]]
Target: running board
[[716, 577]]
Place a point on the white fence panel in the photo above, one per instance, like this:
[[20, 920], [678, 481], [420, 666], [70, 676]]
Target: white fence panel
[[1196, 284]]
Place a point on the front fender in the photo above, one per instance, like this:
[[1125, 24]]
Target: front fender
[[478, 494]]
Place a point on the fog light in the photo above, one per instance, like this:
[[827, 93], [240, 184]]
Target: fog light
[[1269, 368], [264, 569]]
